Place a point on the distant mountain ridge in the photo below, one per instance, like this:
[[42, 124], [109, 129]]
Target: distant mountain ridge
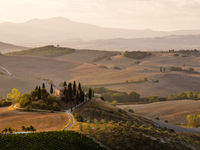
[[38, 32]]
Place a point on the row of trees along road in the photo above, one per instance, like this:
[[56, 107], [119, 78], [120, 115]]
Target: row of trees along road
[[73, 94]]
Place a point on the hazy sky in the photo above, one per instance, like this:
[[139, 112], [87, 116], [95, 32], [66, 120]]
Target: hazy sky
[[135, 14]]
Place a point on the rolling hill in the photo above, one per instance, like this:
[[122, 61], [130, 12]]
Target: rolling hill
[[5, 47], [143, 44], [46, 51], [173, 111]]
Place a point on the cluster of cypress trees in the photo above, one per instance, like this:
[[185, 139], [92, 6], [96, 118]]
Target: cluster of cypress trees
[[41, 93], [74, 94]]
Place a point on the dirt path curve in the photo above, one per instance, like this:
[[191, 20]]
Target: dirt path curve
[[71, 120]]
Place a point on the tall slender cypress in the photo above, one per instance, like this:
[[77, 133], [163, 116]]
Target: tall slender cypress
[[39, 93], [65, 84], [43, 86], [90, 93], [79, 87], [70, 92], [51, 89], [74, 88]]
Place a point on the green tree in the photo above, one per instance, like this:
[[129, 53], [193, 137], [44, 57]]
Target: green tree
[[44, 93], [79, 87], [65, 84], [90, 93], [70, 94], [32, 128], [74, 88], [43, 85], [193, 120], [51, 89], [24, 101], [39, 93], [10, 130], [135, 96], [14, 95], [77, 98], [23, 128]]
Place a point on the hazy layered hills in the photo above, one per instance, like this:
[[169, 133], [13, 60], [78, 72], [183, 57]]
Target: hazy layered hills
[[5, 47], [60, 30], [176, 42]]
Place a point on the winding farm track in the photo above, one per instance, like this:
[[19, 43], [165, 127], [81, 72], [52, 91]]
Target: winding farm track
[[5, 70], [71, 120]]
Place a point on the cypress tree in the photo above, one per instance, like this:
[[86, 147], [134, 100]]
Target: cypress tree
[[39, 93], [36, 88], [90, 93], [79, 87], [65, 93], [77, 98], [70, 92], [51, 89], [43, 86], [65, 84], [82, 96], [160, 69], [74, 88]]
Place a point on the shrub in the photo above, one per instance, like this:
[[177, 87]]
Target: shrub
[[166, 121], [24, 101], [114, 103], [134, 95], [131, 110], [77, 116], [120, 96], [4, 103], [137, 54], [193, 120], [117, 68], [55, 106], [14, 95], [176, 54]]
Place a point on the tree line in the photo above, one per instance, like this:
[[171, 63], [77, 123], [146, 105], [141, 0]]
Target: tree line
[[74, 95]]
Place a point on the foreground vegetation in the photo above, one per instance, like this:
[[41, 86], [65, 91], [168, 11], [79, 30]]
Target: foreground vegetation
[[131, 136], [193, 120], [47, 141]]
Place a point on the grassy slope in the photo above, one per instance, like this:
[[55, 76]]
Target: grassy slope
[[42, 121], [47, 51], [48, 141], [97, 109], [173, 111], [129, 135]]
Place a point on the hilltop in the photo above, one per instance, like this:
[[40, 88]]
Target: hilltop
[[47, 51]]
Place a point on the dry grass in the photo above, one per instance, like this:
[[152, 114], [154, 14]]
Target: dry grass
[[80, 66], [41, 121], [97, 109], [173, 111]]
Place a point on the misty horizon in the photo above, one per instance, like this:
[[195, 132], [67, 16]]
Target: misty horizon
[[163, 15], [109, 27]]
